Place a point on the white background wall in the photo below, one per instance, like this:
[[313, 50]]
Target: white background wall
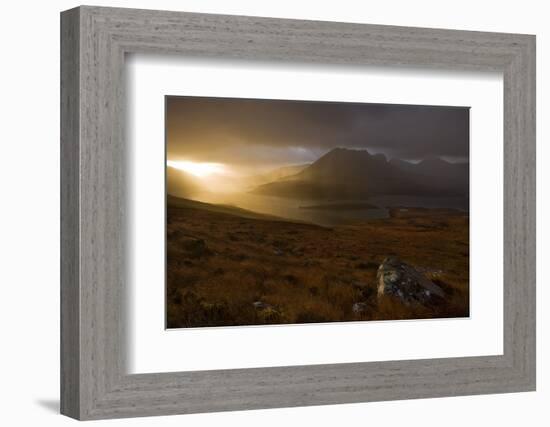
[[29, 212]]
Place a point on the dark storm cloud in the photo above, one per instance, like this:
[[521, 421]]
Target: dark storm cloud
[[271, 131]]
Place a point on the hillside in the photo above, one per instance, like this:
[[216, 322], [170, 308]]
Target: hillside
[[279, 173], [356, 174], [178, 202]]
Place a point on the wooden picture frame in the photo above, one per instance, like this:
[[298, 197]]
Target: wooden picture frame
[[94, 382]]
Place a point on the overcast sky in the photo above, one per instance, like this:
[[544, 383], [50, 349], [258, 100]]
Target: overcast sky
[[251, 132]]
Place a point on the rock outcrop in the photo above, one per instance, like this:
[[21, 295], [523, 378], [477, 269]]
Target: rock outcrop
[[397, 279]]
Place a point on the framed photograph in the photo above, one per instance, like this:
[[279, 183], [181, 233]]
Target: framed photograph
[[310, 226], [262, 213]]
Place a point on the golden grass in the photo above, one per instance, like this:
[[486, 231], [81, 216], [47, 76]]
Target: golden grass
[[219, 265]]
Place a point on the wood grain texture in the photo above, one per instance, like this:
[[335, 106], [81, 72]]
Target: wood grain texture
[[70, 334], [94, 381]]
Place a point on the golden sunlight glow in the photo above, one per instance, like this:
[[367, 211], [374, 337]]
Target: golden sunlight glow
[[198, 169]]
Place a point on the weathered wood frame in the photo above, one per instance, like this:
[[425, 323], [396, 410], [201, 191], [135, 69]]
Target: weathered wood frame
[[94, 41]]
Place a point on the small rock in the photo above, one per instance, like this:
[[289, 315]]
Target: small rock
[[398, 279], [359, 307], [260, 305]]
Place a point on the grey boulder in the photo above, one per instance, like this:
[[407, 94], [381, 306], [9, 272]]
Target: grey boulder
[[398, 279]]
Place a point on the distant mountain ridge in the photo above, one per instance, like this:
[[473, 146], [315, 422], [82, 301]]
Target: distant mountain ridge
[[278, 174], [443, 175], [355, 174]]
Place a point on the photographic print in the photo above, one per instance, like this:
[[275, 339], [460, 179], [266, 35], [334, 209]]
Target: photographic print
[[293, 212]]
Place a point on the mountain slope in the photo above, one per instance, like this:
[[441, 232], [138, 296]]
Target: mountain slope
[[179, 202], [282, 173], [354, 174]]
